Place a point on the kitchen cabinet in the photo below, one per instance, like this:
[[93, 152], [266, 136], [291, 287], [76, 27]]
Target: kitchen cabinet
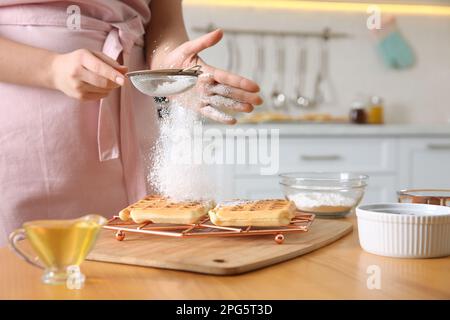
[[425, 163], [380, 189], [313, 154], [257, 187], [394, 157]]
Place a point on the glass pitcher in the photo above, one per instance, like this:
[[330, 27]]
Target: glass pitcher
[[60, 245]]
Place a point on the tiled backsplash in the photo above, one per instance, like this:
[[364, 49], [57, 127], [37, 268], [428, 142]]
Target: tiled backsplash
[[417, 95]]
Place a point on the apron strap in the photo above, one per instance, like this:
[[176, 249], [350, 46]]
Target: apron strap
[[121, 40]]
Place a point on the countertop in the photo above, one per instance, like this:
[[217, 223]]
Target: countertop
[[337, 271], [355, 130]]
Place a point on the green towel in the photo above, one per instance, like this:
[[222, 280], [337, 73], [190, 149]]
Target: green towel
[[395, 51]]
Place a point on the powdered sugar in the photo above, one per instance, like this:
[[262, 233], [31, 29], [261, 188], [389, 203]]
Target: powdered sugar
[[221, 89], [321, 199], [177, 84], [174, 173], [232, 203], [220, 101], [216, 115], [161, 86]]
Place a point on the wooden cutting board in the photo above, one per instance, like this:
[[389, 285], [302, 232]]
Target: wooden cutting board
[[215, 255]]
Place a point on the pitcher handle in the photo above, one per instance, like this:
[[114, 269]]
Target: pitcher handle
[[14, 238]]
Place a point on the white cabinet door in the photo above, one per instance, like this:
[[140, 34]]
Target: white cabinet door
[[425, 163], [392, 164], [257, 187], [365, 155], [380, 189]]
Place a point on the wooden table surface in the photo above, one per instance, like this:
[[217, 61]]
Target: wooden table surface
[[337, 271]]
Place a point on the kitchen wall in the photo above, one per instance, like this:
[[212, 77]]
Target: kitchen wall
[[417, 95]]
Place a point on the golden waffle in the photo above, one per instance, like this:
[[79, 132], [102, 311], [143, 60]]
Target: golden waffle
[[158, 209], [259, 213]]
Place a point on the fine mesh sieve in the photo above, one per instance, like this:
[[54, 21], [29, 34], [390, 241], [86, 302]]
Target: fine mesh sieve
[[164, 82]]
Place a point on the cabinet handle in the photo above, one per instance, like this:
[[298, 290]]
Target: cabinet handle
[[330, 157], [437, 146]]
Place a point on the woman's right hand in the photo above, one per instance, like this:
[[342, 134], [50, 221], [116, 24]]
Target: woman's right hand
[[86, 75]]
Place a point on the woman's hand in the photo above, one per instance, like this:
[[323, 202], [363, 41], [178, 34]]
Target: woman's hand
[[86, 75], [216, 90]]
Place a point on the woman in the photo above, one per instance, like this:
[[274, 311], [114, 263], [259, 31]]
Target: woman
[[70, 121]]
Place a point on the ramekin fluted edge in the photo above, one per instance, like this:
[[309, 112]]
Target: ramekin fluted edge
[[420, 231]]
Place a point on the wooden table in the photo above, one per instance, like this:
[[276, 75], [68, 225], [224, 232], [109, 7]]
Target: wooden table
[[338, 271]]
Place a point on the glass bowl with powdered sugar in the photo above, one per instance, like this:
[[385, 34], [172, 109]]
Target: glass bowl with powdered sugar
[[326, 194]]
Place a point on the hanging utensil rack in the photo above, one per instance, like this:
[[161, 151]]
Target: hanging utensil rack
[[326, 33], [300, 223]]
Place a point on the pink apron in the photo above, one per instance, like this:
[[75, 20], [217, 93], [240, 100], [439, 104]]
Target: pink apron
[[62, 158]]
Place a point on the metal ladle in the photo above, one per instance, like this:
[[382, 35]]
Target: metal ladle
[[323, 87], [279, 98], [258, 70], [299, 100]]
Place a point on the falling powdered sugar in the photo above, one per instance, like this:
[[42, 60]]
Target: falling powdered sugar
[[175, 173]]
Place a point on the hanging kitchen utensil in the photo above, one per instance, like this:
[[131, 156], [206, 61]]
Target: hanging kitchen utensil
[[230, 54], [277, 96], [234, 57], [259, 66], [300, 100], [323, 88], [233, 64], [237, 54], [165, 82]]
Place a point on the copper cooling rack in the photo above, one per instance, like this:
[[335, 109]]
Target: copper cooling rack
[[300, 223]]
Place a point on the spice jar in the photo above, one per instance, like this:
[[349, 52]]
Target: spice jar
[[375, 111], [358, 113]]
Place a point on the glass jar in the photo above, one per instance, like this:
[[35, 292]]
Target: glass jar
[[375, 114], [358, 113]]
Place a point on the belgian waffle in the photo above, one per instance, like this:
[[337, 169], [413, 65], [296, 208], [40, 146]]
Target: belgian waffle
[[158, 209], [259, 213]]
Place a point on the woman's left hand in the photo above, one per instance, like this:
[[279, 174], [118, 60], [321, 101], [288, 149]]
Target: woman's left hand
[[216, 90]]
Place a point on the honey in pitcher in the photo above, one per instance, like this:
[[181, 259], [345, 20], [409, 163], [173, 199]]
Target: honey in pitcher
[[62, 243]]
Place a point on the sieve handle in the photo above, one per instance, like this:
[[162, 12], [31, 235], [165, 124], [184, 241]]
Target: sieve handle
[[195, 68]]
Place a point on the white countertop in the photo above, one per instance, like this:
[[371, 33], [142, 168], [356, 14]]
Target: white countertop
[[311, 129]]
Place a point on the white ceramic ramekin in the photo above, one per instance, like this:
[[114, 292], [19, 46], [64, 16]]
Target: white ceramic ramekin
[[404, 230]]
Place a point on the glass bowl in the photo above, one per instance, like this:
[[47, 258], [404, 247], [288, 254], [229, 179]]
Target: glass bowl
[[326, 194]]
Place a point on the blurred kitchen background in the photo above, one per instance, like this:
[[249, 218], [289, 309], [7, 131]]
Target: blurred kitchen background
[[402, 70], [416, 94]]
